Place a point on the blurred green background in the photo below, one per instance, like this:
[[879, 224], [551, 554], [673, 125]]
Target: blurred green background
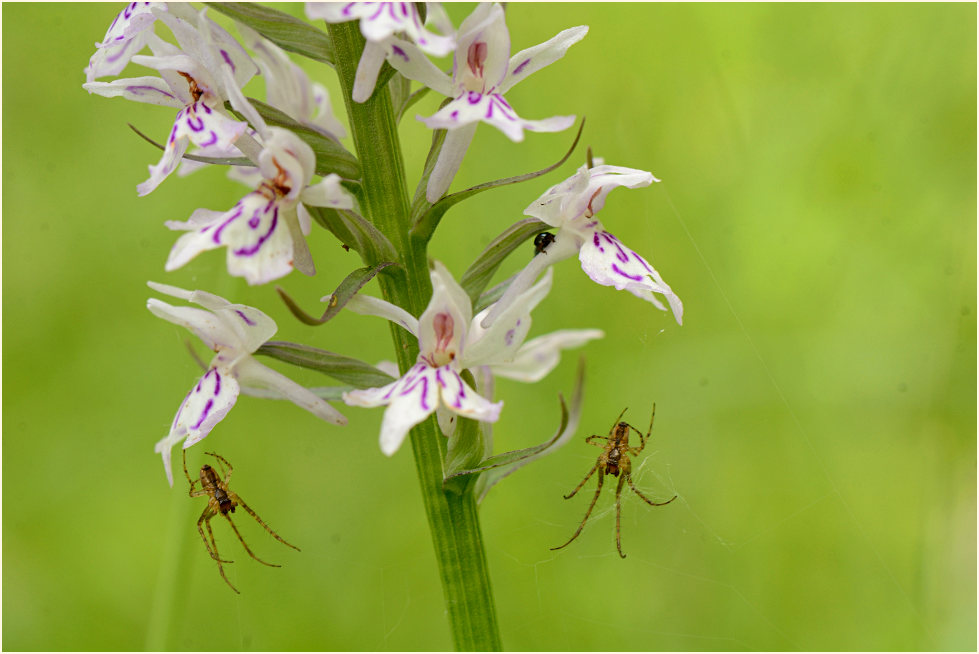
[[815, 414]]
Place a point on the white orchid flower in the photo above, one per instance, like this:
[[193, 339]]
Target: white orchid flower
[[265, 231], [379, 22], [208, 68], [482, 72], [234, 332], [570, 207], [451, 340]]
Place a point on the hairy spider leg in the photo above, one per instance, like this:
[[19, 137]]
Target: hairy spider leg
[[618, 511], [646, 499], [244, 544], [212, 546], [601, 478], [248, 509], [219, 560]]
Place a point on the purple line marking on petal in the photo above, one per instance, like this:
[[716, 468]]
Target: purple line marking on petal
[[454, 115], [619, 271], [213, 140], [138, 89], [217, 383], [207, 410], [194, 123], [508, 337], [597, 243], [227, 60], [474, 97], [255, 220], [519, 69], [401, 53], [249, 251], [248, 321], [216, 237]]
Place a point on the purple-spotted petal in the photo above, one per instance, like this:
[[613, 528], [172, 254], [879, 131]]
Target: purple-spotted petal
[[459, 398], [204, 406], [198, 124], [411, 62], [529, 61], [610, 263], [584, 192], [491, 108], [410, 400], [125, 37], [260, 247], [151, 90], [539, 356]]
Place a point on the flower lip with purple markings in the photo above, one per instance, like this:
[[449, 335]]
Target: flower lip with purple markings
[[451, 340], [234, 332], [570, 207], [264, 233]]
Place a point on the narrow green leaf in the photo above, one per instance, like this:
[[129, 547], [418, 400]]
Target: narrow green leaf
[[426, 223], [287, 32], [342, 368], [331, 157], [478, 275], [408, 102], [346, 290]]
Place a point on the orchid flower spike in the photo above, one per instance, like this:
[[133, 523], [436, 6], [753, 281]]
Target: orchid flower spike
[[234, 332], [451, 340], [570, 207], [482, 72], [379, 22], [207, 69], [265, 231]]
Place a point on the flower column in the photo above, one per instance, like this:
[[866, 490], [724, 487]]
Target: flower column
[[452, 518]]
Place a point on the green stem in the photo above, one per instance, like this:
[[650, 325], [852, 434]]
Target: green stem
[[452, 517]]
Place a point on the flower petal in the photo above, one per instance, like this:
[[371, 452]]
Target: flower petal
[[610, 263], [506, 334], [410, 400], [366, 305], [539, 356], [564, 246], [328, 192], [450, 158], [200, 125], [529, 61], [459, 398], [411, 62], [204, 406], [443, 325], [371, 60], [253, 373], [151, 90], [482, 49]]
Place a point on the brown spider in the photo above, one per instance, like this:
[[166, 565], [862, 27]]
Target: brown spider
[[221, 499], [613, 460]]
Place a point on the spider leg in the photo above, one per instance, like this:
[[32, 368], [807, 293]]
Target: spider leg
[[587, 477], [646, 499], [193, 493], [596, 436], [234, 496], [212, 546], [601, 477], [245, 545], [218, 559], [618, 512], [617, 420]]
